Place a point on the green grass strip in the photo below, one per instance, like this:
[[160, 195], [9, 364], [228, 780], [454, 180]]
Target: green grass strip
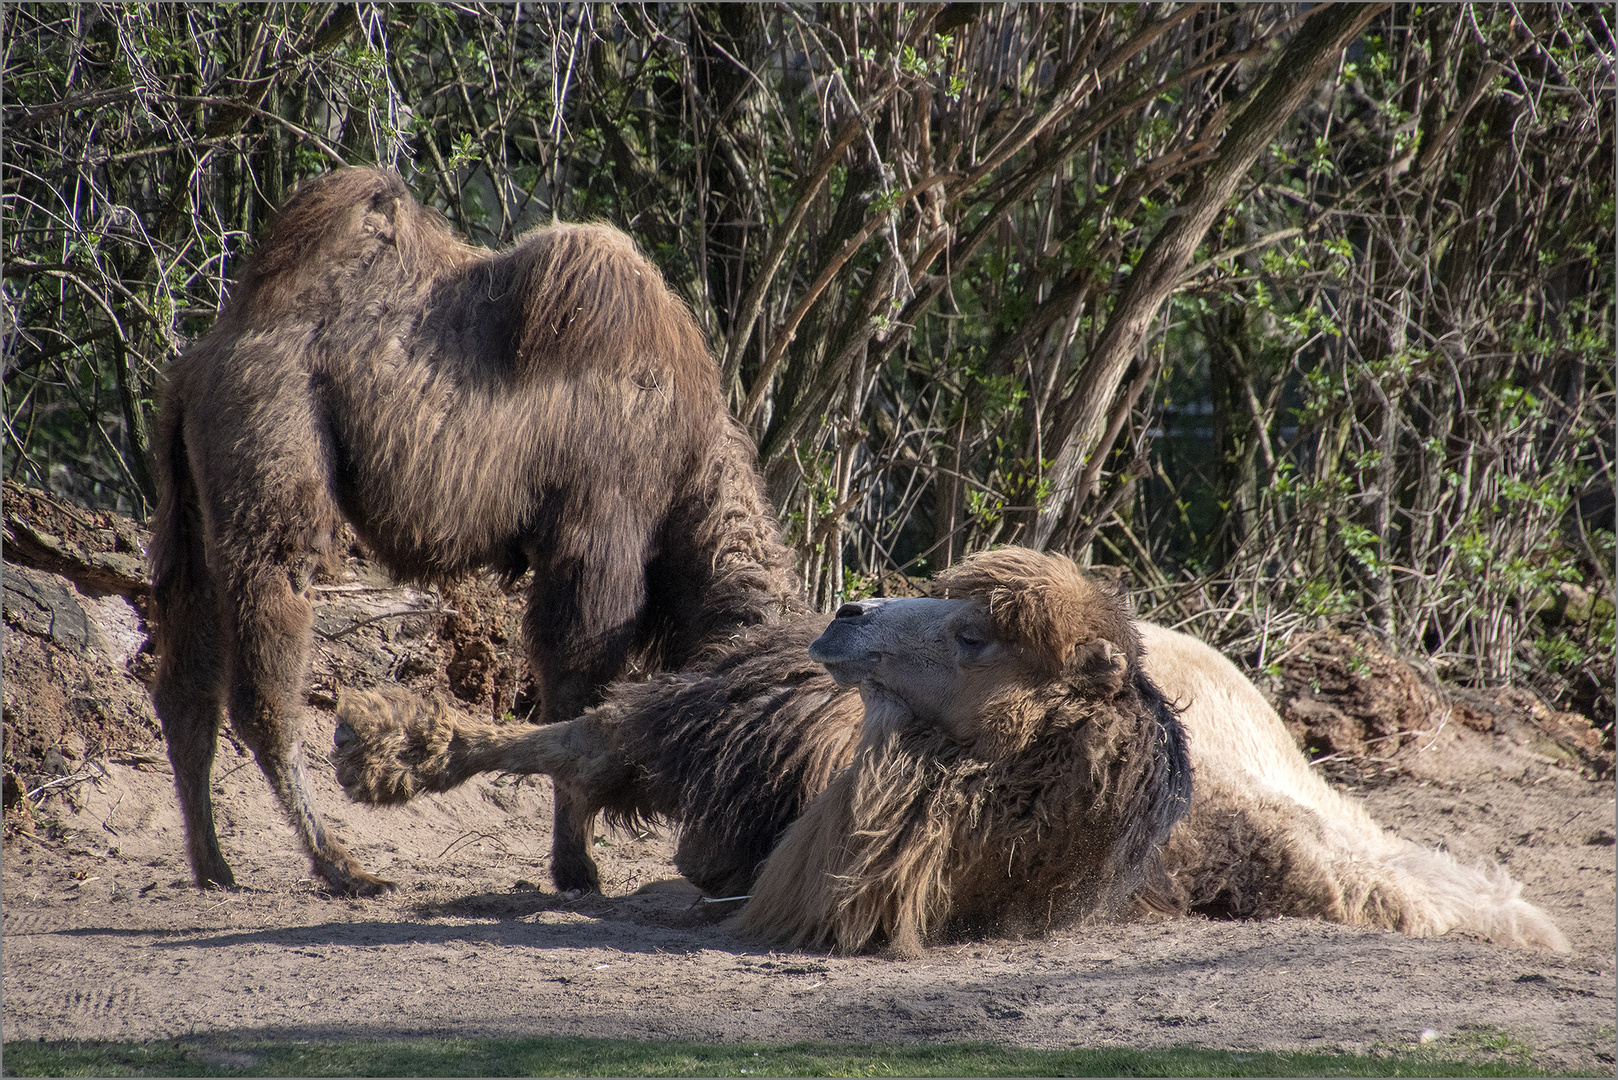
[[615, 1057]]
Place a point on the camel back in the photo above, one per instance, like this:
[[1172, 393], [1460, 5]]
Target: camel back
[[567, 304]]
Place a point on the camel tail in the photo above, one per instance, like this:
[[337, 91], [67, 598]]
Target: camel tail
[[184, 600], [175, 525]]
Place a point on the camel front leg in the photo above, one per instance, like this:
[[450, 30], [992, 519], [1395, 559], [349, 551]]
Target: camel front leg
[[391, 746]]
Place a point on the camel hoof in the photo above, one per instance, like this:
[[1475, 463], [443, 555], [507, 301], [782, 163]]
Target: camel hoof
[[373, 886], [218, 879], [362, 885]]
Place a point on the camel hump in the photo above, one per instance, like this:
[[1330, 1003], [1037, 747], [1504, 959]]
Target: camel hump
[[588, 295], [333, 232]]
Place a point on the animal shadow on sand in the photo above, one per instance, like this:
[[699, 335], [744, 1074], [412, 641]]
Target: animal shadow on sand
[[584, 934], [671, 903]]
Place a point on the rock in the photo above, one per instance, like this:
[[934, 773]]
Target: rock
[[44, 604]]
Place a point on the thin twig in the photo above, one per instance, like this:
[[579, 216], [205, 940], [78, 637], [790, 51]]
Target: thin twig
[[76, 778], [351, 627]]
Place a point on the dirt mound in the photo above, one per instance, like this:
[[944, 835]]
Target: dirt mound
[[78, 659], [1359, 710], [76, 654]]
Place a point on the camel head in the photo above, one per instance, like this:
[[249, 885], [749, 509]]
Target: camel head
[[1010, 631]]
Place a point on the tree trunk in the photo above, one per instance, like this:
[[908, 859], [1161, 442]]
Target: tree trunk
[[1294, 75]]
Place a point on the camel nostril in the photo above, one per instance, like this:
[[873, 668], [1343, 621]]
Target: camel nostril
[[850, 611], [343, 735]]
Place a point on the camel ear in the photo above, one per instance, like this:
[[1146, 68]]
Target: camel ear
[[1100, 664]]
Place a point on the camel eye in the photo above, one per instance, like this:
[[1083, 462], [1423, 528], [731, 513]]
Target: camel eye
[[970, 638]]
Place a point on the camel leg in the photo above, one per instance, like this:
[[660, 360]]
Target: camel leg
[[573, 871], [270, 636], [263, 474], [1261, 858], [391, 746], [268, 624], [583, 616], [189, 691]]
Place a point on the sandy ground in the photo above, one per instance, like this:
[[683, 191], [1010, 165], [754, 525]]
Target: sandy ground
[[104, 938]]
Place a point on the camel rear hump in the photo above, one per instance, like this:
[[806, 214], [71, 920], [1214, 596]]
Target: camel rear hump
[[588, 297]]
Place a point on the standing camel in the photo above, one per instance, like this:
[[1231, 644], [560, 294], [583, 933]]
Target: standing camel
[[552, 407]]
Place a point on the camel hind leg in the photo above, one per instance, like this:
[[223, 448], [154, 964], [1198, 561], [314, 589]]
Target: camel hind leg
[[269, 622], [1251, 857], [189, 690], [1260, 858]]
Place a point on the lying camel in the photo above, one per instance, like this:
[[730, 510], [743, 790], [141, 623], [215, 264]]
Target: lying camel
[[1011, 764]]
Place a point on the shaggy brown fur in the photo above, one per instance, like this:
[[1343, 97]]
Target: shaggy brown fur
[[730, 749], [1044, 605], [923, 837], [1050, 812], [553, 407]]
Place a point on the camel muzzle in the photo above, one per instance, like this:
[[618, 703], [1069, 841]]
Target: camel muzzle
[[844, 646]]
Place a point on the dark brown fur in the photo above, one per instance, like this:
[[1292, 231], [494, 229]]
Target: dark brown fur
[[553, 407]]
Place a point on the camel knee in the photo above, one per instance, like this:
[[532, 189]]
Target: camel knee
[[270, 632]]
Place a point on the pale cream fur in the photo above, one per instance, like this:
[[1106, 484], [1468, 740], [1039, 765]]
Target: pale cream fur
[[1342, 865]]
